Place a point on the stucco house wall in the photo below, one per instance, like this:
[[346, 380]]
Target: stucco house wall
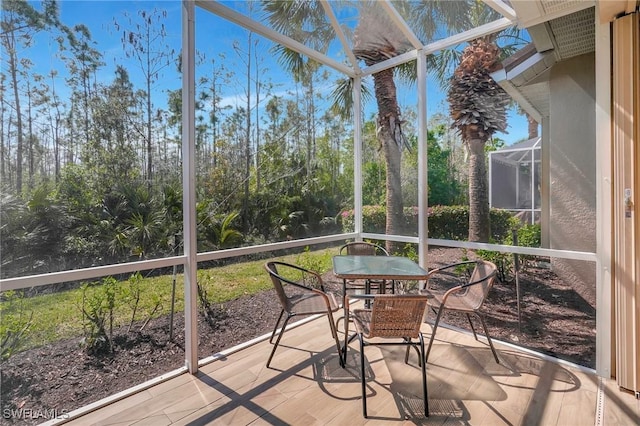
[[572, 169]]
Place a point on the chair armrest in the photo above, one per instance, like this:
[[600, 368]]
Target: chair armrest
[[452, 265], [440, 270], [463, 287], [450, 292], [302, 285], [357, 296]]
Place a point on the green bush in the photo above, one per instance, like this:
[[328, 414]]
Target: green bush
[[528, 236], [503, 261], [373, 219], [313, 261], [444, 222], [97, 307], [15, 323]]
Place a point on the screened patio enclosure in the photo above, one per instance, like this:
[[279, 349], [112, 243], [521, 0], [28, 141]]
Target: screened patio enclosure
[[514, 179], [409, 37], [348, 30], [389, 35]]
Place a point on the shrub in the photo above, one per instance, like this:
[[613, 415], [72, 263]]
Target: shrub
[[528, 236], [373, 219], [444, 222], [15, 323], [314, 262], [503, 261], [97, 307]]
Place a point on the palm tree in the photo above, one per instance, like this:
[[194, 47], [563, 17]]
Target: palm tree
[[374, 46], [371, 47], [478, 108], [477, 104]]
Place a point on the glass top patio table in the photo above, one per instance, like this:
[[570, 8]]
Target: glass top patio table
[[352, 267], [377, 267]]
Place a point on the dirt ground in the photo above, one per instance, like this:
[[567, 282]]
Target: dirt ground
[[555, 320]]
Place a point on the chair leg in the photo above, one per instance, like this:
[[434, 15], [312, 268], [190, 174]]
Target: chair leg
[[406, 354], [346, 336], [486, 333], [410, 344], [433, 333], [425, 394], [273, 351], [473, 330], [334, 333], [276, 326], [364, 386]]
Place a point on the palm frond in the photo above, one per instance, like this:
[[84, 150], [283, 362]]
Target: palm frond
[[442, 64], [342, 97]]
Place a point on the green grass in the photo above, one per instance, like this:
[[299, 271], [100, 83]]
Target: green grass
[[59, 315]]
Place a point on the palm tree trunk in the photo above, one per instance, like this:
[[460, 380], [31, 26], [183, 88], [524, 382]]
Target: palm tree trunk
[[388, 132], [479, 225], [532, 127]]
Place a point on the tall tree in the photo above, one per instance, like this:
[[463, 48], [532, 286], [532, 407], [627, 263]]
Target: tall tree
[[19, 22], [3, 140], [49, 109], [470, 88], [247, 58], [83, 64], [82, 60], [55, 119], [144, 40], [219, 77], [374, 47], [26, 64], [114, 117], [478, 107]]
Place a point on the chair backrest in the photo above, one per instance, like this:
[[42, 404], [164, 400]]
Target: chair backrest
[[363, 248], [481, 280], [397, 315], [282, 273]]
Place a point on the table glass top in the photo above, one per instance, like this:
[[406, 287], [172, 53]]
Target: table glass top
[[391, 267]]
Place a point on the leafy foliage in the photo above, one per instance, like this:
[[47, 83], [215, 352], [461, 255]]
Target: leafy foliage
[[97, 308], [528, 235], [477, 103], [15, 324], [313, 261], [444, 222]]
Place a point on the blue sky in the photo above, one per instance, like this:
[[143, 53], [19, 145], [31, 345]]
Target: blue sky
[[214, 36]]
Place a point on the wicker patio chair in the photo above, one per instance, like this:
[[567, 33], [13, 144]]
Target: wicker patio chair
[[392, 316], [300, 292], [466, 298]]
